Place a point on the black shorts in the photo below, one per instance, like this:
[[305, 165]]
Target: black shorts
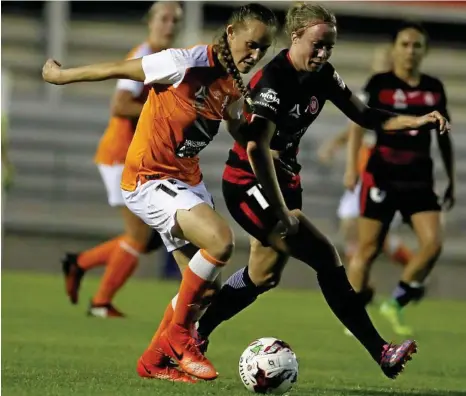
[[249, 207], [382, 205]]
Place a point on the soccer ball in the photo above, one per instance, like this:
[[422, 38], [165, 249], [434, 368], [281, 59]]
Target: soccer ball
[[268, 365]]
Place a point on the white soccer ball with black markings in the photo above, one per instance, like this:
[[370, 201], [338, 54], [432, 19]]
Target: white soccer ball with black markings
[[268, 365]]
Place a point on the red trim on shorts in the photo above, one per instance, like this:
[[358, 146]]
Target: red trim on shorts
[[250, 214], [238, 176], [367, 181]]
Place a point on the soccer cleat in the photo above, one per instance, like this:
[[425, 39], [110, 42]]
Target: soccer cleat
[[394, 357], [393, 313], [104, 311], [178, 344], [73, 276], [163, 371]]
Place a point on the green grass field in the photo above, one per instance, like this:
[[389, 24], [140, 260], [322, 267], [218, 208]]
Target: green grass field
[[51, 348]]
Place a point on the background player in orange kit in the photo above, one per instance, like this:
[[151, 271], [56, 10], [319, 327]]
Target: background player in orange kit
[[121, 254], [399, 174], [194, 89]]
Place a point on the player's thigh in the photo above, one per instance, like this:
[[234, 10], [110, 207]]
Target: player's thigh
[[249, 207], [159, 203], [377, 208], [111, 176], [422, 209]]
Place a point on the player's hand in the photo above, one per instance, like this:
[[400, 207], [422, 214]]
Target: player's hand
[[326, 153], [434, 118], [288, 225], [449, 197], [51, 72], [350, 179]]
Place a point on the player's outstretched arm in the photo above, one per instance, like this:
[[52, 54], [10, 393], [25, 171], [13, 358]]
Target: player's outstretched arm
[[371, 118], [355, 136], [132, 69]]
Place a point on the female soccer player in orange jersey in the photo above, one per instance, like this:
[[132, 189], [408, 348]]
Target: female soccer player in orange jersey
[[195, 89], [121, 254]]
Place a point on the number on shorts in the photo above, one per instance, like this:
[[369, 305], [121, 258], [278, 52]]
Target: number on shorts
[[166, 190], [256, 193]]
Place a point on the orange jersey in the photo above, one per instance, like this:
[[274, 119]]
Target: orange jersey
[[181, 117], [117, 137]]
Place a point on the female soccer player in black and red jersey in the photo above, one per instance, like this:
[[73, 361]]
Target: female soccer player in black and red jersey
[[262, 187], [399, 172]]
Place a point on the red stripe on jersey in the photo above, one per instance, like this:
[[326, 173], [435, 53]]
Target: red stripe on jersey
[[409, 98], [255, 79], [397, 156], [250, 214]]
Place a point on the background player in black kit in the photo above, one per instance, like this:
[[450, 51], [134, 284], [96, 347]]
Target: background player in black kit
[[399, 173], [262, 187]]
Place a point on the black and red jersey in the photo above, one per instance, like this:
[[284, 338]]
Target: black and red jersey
[[403, 159], [292, 100]]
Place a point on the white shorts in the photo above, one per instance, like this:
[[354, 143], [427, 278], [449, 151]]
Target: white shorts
[[157, 201], [349, 207], [349, 204], [111, 175]]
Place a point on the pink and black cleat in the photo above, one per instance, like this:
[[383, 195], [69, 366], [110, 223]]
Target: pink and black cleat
[[395, 357]]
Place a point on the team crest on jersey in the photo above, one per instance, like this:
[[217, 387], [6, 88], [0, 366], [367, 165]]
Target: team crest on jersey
[[314, 105], [270, 96], [339, 80]]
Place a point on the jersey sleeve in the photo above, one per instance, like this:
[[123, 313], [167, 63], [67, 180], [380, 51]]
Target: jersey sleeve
[[443, 109], [170, 66], [265, 95], [135, 87], [338, 90], [368, 94]]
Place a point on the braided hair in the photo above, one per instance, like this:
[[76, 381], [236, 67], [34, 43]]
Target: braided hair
[[252, 11]]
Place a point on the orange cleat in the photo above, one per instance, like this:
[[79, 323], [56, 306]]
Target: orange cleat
[[162, 371], [104, 311], [178, 344]]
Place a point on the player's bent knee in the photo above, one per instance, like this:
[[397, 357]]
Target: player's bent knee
[[222, 243]]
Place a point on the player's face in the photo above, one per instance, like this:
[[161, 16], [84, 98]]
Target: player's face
[[164, 24], [314, 47], [249, 43], [409, 49]]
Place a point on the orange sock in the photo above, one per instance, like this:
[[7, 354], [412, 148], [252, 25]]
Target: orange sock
[[397, 250], [166, 320], [201, 272], [402, 255], [98, 255], [121, 264]]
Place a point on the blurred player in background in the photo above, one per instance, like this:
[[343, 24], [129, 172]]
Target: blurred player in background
[[399, 173], [121, 254], [348, 209]]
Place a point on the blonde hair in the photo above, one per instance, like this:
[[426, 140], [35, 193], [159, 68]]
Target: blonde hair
[[252, 11], [154, 8], [300, 15]]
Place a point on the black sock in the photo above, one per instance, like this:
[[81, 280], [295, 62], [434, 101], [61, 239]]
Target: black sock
[[236, 294], [348, 308], [405, 293]]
